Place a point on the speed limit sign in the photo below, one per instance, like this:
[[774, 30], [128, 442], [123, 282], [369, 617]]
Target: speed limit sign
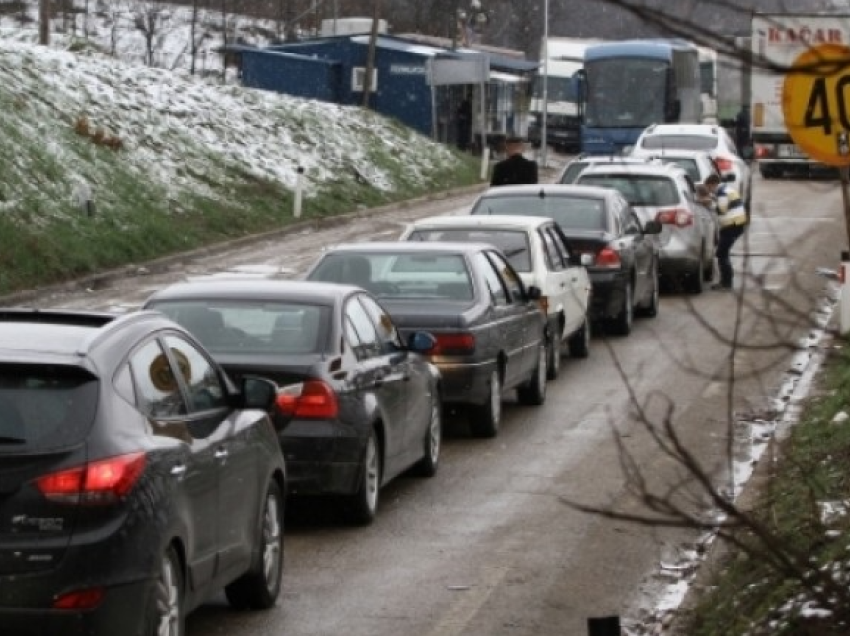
[[816, 103]]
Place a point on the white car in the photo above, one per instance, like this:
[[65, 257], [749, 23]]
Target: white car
[[537, 249], [659, 139]]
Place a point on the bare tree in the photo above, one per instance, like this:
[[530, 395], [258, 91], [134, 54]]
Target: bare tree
[[44, 14]]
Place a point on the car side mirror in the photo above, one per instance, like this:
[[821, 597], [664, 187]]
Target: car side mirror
[[421, 342], [652, 227], [586, 259], [258, 393], [533, 292]]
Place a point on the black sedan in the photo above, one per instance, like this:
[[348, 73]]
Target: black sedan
[[136, 479], [356, 406], [489, 327], [601, 226]]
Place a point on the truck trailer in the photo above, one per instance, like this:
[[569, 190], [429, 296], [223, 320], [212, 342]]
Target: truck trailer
[[777, 40]]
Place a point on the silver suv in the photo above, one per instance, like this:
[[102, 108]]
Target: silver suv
[[665, 193]]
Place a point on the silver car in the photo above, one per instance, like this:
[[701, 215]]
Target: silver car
[[665, 193]]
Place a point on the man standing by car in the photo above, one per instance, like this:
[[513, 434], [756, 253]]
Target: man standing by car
[[733, 219], [515, 168]]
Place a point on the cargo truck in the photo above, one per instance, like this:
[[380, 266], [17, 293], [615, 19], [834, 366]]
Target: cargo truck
[[777, 40]]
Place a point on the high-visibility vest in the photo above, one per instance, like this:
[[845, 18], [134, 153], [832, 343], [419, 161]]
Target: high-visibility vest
[[730, 206]]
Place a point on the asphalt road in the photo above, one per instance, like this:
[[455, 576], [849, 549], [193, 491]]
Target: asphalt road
[[488, 547]]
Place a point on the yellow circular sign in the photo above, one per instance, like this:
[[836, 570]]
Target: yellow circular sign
[[816, 103]]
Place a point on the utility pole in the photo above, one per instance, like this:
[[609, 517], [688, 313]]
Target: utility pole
[[370, 58], [44, 22]]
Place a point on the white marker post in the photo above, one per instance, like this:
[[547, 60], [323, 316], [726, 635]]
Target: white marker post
[[299, 187]]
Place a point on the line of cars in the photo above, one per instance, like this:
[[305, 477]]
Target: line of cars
[[170, 438], [659, 178]]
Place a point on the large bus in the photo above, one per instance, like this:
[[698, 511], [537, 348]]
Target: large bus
[[631, 84]]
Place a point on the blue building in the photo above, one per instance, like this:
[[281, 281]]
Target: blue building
[[333, 69]]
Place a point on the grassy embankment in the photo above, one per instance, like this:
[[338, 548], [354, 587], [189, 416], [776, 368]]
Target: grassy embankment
[[168, 174], [747, 593]]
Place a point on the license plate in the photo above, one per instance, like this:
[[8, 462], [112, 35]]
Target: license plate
[[790, 150]]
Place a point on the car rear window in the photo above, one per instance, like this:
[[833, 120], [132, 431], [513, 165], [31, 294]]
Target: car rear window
[[572, 170], [255, 327], [45, 407], [690, 166], [513, 243], [683, 142], [569, 212], [639, 190]]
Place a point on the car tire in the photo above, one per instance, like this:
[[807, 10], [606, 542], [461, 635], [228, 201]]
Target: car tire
[[363, 505], [621, 324], [427, 466], [533, 392], [696, 277], [166, 614], [260, 586], [553, 358], [650, 309], [579, 342], [484, 419]]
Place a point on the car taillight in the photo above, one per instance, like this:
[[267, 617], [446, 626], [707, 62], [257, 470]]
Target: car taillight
[[763, 152], [543, 302], [100, 482], [608, 258], [453, 344], [723, 164], [675, 216], [80, 599], [312, 399]]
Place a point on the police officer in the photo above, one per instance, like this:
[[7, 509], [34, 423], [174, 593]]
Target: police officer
[[733, 219]]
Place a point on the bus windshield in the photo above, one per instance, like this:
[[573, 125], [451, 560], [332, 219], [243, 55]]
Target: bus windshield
[[626, 92]]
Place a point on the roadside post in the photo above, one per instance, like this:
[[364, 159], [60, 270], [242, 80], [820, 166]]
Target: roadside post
[[816, 108], [604, 626], [299, 192]]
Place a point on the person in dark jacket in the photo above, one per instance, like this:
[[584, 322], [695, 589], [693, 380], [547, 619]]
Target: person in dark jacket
[[514, 169]]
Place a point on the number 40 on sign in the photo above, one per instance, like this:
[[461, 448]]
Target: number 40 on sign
[[816, 103]]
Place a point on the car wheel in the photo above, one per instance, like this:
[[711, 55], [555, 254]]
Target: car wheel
[[165, 611], [579, 342], [364, 503], [621, 324], [650, 309], [484, 419], [695, 278], [260, 586], [533, 392], [427, 466], [553, 358]]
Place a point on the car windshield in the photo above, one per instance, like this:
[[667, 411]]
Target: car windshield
[[571, 213], [682, 142], [639, 190], [45, 407], [514, 243], [394, 275], [573, 170], [258, 327]]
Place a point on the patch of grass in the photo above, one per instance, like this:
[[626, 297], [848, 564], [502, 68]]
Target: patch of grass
[[747, 595]]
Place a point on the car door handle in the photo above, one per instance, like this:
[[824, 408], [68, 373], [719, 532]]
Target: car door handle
[[178, 470], [221, 453]]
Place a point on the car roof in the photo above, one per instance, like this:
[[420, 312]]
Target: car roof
[[502, 221], [549, 189], [452, 247], [714, 130], [659, 169], [222, 289]]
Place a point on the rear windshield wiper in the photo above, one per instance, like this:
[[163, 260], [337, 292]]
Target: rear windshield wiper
[[5, 439]]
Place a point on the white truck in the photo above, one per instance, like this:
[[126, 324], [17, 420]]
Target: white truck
[[560, 60], [777, 39]]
